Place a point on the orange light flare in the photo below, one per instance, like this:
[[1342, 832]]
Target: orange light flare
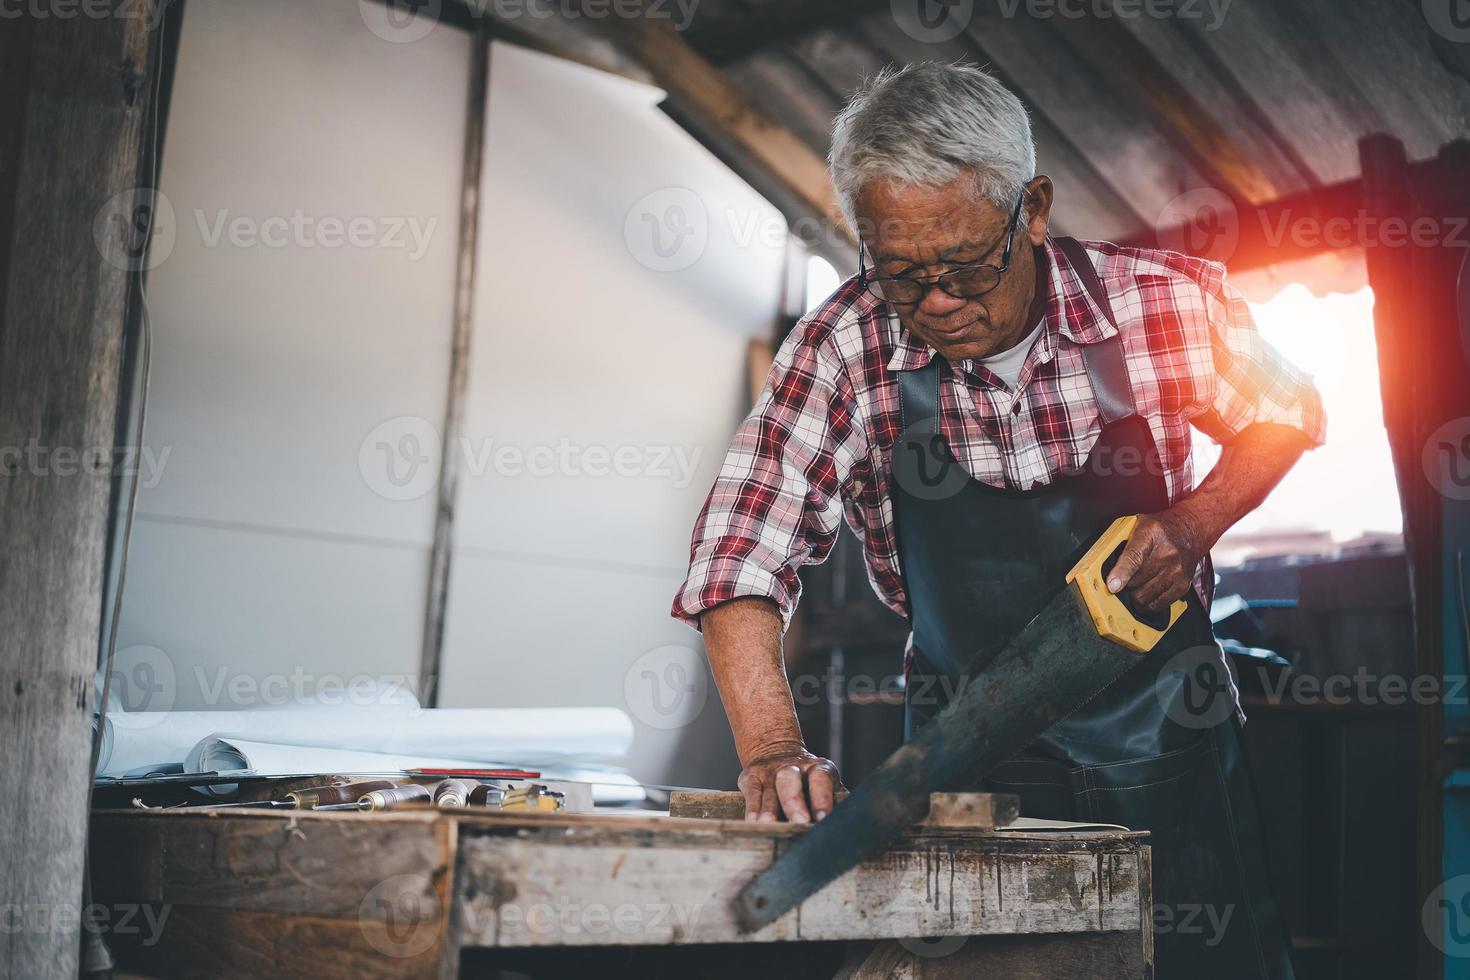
[[1344, 489]]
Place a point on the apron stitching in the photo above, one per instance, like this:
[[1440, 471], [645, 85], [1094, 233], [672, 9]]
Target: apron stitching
[[1146, 758], [1118, 789]]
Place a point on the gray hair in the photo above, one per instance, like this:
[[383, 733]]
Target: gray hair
[[927, 124]]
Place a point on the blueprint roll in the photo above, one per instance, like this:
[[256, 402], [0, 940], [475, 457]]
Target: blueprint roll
[[153, 741]]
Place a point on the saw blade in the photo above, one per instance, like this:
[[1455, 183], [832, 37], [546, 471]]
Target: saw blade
[[1050, 669]]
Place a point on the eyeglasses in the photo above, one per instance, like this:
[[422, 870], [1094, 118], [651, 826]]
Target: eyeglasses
[[962, 282]]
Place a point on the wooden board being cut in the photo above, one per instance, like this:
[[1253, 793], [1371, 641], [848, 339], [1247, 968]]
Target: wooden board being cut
[[960, 811]]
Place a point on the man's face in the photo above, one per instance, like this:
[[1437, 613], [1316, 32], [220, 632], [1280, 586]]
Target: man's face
[[924, 231]]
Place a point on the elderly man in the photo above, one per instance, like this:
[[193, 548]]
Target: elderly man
[[980, 402]]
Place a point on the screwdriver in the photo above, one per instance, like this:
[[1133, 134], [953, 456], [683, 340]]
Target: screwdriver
[[313, 796], [385, 799]]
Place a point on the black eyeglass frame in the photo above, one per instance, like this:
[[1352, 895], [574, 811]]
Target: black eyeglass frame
[[874, 284]]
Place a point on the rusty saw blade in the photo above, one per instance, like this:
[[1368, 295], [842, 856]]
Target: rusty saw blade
[[1082, 640]]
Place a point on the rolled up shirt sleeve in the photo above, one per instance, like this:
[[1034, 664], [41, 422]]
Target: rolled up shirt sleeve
[[1250, 381], [777, 503]]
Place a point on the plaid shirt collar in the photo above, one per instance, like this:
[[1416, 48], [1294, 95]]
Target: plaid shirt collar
[[1070, 313]]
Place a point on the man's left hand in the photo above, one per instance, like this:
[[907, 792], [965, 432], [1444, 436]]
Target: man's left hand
[[1160, 560]]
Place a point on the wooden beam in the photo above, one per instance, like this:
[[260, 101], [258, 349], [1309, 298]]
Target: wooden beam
[[437, 600], [74, 123], [1295, 227], [701, 92]]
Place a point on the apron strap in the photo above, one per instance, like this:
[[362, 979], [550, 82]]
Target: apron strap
[[1107, 369], [918, 393]]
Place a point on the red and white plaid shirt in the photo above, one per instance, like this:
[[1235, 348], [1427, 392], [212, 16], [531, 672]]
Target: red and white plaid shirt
[[817, 445]]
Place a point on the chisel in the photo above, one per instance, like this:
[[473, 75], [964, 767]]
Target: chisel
[[386, 799], [1082, 640]]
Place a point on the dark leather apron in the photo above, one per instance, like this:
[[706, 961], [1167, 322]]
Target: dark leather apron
[[1160, 749]]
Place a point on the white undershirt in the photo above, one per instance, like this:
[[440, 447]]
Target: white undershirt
[[1008, 363]]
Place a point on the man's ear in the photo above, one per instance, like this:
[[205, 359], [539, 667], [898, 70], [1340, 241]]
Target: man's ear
[[1039, 193]]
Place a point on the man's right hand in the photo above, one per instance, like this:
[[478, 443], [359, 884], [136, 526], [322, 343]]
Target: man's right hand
[[792, 781], [743, 640]]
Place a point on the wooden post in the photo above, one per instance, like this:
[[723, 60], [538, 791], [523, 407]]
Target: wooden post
[[436, 604], [1424, 384], [71, 126]]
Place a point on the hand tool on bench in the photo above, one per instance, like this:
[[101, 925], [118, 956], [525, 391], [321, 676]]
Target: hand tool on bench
[[452, 794], [312, 797], [386, 799], [1082, 640]]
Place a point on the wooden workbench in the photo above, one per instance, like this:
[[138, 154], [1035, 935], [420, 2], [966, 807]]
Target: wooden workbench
[[425, 894]]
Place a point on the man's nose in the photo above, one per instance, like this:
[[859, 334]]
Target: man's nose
[[937, 302]]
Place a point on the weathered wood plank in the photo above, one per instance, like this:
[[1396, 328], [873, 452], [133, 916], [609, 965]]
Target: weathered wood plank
[[526, 892], [229, 943], [962, 811], [427, 884], [301, 864], [948, 890], [560, 887], [76, 97]]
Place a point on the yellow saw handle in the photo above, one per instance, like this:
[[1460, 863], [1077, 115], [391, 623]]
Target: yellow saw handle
[[1113, 619]]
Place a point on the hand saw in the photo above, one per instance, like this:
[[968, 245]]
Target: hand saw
[[1082, 640]]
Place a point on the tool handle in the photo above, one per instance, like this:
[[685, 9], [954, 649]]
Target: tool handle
[[395, 797], [315, 796], [1112, 615], [451, 794]]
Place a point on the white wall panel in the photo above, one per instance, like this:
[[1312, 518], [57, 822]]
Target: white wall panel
[[273, 363], [240, 619], [279, 345], [588, 339]]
